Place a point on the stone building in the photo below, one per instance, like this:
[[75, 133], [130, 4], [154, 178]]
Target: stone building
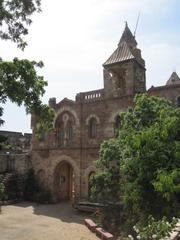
[[64, 160]]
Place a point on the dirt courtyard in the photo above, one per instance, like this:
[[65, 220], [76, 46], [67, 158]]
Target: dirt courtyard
[[30, 221]]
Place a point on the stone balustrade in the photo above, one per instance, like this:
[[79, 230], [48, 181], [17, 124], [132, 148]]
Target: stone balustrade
[[91, 96]]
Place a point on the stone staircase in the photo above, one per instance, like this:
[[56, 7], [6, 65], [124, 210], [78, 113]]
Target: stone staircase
[[14, 187]]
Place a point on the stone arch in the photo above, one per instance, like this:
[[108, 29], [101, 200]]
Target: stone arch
[[114, 115], [57, 162], [87, 172], [67, 109], [68, 159], [110, 121], [92, 116]]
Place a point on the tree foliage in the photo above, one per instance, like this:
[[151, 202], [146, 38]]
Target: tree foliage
[[20, 84], [155, 229], [147, 152], [15, 17], [19, 81]]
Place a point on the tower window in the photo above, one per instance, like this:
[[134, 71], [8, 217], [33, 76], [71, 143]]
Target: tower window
[[117, 125], [92, 128], [178, 101]]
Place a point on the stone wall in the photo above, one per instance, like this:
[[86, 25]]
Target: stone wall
[[169, 92], [16, 142], [19, 163], [14, 170]]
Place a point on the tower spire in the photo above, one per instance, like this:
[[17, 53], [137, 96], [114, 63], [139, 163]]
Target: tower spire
[[128, 37], [124, 70]]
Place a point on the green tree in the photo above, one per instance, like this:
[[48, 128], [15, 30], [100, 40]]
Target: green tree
[[147, 151], [15, 17], [155, 229], [19, 81]]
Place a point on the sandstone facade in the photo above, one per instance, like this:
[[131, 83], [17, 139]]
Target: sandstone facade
[[64, 160]]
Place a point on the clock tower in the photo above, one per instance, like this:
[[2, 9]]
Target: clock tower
[[124, 71]]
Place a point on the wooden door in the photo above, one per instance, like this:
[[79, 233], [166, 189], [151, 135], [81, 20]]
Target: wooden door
[[64, 182]]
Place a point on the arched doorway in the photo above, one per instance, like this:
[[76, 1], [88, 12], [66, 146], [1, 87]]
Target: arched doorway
[[64, 181], [89, 183]]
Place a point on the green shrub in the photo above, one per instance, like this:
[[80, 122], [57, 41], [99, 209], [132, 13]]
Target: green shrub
[[155, 229]]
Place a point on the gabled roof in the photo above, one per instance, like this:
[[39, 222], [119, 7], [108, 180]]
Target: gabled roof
[[174, 79], [66, 100]]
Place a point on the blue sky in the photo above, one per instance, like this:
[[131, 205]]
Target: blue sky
[[74, 38]]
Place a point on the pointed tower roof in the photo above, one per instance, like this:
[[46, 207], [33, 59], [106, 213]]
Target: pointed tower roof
[[122, 53], [128, 37], [174, 79], [126, 49]]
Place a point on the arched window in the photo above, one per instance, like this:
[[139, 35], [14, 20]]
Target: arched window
[[178, 101], [64, 129], [69, 130], [117, 124], [92, 128], [60, 134]]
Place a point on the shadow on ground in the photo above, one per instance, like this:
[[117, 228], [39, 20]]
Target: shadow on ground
[[62, 211]]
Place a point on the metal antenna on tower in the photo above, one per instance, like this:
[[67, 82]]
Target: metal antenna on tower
[[137, 24]]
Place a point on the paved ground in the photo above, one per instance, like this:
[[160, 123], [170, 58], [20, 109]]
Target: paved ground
[[29, 221]]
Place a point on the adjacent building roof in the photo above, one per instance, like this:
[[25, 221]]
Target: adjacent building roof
[[174, 79]]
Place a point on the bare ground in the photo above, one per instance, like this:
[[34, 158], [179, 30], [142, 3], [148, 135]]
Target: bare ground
[[30, 221]]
